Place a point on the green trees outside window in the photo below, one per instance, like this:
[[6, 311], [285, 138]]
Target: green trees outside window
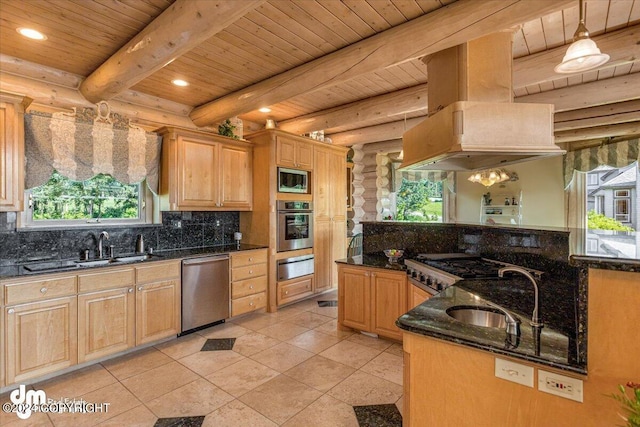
[[99, 197], [419, 201]]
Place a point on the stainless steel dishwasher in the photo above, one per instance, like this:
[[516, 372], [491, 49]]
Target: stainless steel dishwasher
[[205, 291]]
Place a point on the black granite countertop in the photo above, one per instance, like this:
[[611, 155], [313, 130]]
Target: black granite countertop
[[374, 260], [60, 266], [606, 263], [555, 346]]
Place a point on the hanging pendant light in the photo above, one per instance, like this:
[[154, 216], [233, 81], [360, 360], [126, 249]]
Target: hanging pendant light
[[583, 54]]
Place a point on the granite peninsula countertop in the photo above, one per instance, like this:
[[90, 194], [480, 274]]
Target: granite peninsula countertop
[[555, 346], [375, 261], [67, 265]]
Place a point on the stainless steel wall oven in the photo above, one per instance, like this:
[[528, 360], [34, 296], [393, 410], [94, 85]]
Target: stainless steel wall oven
[[295, 225]]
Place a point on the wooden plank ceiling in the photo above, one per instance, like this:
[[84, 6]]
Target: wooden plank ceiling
[[278, 36]]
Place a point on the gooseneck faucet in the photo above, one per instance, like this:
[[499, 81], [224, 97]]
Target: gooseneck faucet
[[103, 235], [535, 319]]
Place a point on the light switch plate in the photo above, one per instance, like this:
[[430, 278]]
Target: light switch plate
[[515, 372], [569, 388]]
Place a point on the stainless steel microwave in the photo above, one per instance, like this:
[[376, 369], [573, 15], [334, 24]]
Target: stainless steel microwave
[[294, 181]]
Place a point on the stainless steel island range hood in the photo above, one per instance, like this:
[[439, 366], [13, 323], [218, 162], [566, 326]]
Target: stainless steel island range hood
[[474, 123]]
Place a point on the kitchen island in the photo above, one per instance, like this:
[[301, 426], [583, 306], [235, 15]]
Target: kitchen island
[[440, 360]]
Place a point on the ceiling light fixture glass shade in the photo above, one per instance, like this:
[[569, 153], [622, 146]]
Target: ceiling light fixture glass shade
[[490, 176], [265, 110], [583, 54], [31, 33], [179, 82]]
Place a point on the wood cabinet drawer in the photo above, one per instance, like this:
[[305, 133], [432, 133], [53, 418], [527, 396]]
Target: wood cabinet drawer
[[249, 303], [241, 259], [246, 287], [294, 289], [40, 289], [157, 272], [110, 279], [248, 272]]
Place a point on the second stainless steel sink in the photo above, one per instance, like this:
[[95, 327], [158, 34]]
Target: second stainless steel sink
[[488, 317]]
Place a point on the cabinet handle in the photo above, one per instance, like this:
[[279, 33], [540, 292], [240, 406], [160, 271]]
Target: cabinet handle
[[250, 286], [250, 271], [43, 290], [373, 274], [11, 311], [286, 292], [130, 290], [366, 274], [250, 259], [250, 303], [139, 288]]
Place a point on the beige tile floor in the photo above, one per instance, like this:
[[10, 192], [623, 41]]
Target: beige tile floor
[[290, 368]]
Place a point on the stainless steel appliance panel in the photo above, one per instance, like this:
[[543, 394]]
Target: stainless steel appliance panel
[[295, 225], [290, 268], [293, 181], [205, 291]]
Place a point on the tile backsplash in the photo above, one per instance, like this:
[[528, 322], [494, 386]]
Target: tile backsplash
[[179, 230]]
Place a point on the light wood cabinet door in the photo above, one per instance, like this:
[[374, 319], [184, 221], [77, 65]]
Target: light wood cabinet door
[[337, 187], [157, 311], [198, 177], [236, 176], [389, 301], [11, 153], [416, 296], [322, 246], [322, 185], [354, 298], [106, 323], [294, 154], [40, 338]]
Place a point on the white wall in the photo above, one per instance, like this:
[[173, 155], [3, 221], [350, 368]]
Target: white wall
[[541, 182]]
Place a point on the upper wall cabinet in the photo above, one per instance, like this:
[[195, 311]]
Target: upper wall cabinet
[[204, 172], [293, 153], [11, 152]]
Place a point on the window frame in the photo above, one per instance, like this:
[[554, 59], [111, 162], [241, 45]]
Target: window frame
[[622, 196], [146, 214]]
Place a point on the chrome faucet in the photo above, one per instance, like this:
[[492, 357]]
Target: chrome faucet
[[535, 319], [513, 323], [103, 235]]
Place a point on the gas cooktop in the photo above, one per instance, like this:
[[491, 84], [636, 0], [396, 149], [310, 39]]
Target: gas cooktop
[[435, 272]]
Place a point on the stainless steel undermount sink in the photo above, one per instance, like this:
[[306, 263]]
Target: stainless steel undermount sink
[[93, 262], [133, 258], [487, 317]]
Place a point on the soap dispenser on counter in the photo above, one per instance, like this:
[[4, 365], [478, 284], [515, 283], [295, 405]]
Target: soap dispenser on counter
[[140, 244]]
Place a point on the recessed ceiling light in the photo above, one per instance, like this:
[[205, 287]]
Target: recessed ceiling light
[[31, 33], [179, 82], [265, 110]]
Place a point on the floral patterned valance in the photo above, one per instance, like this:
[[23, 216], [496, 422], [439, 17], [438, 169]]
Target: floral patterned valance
[[418, 175], [82, 145], [617, 155]]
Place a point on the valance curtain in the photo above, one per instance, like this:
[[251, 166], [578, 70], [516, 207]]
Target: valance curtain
[[433, 176], [80, 146], [617, 155]]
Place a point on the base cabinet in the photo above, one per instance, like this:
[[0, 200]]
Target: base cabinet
[[41, 338], [416, 296], [371, 299], [248, 281], [158, 301], [295, 289], [157, 311], [106, 323]]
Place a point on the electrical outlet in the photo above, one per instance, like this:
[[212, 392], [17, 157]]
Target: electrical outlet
[[176, 223], [515, 372], [559, 385]]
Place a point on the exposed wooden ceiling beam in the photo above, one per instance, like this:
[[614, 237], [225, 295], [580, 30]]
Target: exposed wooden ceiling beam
[[448, 26], [627, 129], [600, 92], [383, 132], [181, 27], [390, 104], [623, 46], [599, 111], [57, 96]]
